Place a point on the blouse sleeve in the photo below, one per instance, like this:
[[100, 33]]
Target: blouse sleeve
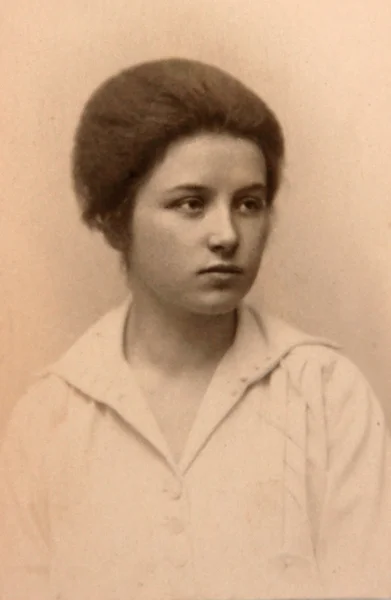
[[24, 523], [354, 541]]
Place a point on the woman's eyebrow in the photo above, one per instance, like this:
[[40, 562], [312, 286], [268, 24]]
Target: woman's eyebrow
[[194, 187], [188, 187], [253, 187]]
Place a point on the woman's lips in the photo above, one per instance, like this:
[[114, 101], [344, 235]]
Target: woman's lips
[[223, 270]]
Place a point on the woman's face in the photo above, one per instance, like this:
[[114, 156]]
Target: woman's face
[[199, 225]]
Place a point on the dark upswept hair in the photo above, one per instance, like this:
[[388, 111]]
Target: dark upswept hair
[[130, 120]]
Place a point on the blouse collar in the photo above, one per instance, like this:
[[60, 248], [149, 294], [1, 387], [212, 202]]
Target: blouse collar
[[96, 366]]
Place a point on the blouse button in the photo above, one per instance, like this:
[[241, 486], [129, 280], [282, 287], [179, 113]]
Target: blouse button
[[281, 563], [180, 554], [179, 561], [287, 562], [173, 489], [175, 525]]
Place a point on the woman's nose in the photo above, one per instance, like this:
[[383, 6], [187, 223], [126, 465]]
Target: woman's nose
[[223, 235]]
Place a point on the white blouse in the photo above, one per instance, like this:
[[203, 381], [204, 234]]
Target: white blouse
[[283, 488]]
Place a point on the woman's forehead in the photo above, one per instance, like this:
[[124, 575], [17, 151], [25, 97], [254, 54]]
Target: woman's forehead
[[207, 158]]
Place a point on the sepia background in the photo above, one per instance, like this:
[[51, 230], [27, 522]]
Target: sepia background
[[324, 66]]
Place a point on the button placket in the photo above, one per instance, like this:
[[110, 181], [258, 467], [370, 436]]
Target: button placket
[[175, 523]]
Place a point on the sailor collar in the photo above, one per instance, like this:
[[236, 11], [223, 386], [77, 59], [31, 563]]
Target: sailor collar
[[96, 363], [97, 368]]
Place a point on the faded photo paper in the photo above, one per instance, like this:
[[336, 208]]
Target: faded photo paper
[[195, 311]]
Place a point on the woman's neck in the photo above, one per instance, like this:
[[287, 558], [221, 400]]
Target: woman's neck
[[176, 343]]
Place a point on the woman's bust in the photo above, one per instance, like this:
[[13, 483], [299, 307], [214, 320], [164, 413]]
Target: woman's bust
[[188, 446]]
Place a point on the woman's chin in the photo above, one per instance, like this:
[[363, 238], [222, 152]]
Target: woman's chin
[[217, 306]]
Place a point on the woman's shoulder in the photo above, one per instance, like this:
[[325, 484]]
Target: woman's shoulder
[[340, 405], [46, 401], [288, 342], [35, 419], [46, 391], [54, 397], [312, 361], [47, 394], [94, 360]]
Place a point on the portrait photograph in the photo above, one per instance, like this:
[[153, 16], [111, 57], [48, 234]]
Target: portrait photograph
[[195, 300]]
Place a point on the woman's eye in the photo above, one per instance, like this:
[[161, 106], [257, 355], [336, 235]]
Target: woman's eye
[[190, 206], [252, 204]]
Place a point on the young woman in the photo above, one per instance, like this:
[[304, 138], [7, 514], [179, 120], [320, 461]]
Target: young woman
[[187, 446]]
